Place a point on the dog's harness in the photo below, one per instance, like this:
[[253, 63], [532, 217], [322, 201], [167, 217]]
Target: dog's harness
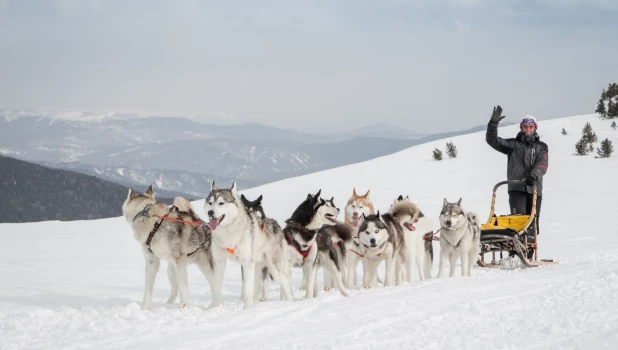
[[157, 224], [431, 236], [233, 250], [293, 243], [358, 244]]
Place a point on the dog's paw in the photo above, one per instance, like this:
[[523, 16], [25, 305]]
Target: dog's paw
[[327, 289], [366, 285]]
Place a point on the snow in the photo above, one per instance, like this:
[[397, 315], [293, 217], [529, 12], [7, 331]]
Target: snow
[[69, 285]]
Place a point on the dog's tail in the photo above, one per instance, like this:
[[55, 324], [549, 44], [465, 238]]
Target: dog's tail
[[182, 204], [338, 232], [474, 217]]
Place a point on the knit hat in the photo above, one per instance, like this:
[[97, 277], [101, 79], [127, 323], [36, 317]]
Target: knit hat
[[528, 120]]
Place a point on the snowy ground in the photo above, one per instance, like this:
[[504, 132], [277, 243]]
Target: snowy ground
[[74, 285]]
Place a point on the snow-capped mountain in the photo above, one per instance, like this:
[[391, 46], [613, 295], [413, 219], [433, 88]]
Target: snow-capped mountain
[[179, 154]]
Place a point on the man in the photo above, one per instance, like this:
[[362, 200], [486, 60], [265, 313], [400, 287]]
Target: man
[[527, 159]]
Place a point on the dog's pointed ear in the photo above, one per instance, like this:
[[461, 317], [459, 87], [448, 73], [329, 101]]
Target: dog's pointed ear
[[400, 198], [259, 199], [354, 192], [233, 189], [243, 198], [459, 201], [149, 192], [309, 196], [213, 187], [332, 198], [317, 195], [444, 203], [367, 194], [131, 194]]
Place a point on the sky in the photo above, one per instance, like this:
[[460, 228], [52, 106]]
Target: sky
[[428, 65]]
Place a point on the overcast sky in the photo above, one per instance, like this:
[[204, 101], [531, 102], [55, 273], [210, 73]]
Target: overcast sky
[[429, 65]]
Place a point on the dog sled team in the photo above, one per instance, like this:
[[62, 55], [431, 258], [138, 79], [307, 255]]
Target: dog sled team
[[311, 239]]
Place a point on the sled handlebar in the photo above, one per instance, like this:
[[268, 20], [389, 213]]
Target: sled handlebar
[[493, 198], [513, 182]]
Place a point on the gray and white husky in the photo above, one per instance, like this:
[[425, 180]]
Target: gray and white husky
[[459, 238], [237, 235], [181, 241], [383, 239], [308, 247], [272, 229]]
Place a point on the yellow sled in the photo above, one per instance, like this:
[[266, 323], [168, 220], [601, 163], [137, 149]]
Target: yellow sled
[[511, 233]]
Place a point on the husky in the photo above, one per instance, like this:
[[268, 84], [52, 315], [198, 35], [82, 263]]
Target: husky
[[419, 251], [383, 239], [270, 227], [309, 248], [238, 235], [459, 238], [354, 209], [341, 236], [181, 241]]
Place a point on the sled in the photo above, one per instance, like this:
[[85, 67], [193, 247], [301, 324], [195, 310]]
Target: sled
[[511, 233]]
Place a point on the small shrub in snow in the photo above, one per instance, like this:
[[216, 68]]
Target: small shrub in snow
[[613, 125], [606, 149], [451, 150], [437, 154], [564, 131], [581, 148]]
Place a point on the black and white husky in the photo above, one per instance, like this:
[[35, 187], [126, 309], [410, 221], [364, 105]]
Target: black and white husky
[[308, 246], [383, 238]]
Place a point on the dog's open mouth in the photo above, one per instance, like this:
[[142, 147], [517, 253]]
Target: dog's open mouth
[[373, 245], [409, 226], [214, 222], [331, 217]]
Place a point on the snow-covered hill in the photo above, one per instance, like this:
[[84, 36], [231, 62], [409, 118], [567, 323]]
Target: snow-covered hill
[[79, 284]]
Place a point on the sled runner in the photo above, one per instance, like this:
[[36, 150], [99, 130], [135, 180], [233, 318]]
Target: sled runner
[[511, 233]]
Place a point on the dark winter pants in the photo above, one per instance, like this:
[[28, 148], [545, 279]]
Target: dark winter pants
[[521, 203]]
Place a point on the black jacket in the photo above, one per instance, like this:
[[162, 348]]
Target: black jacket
[[525, 155]]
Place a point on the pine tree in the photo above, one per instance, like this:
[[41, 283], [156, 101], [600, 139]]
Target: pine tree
[[437, 154], [606, 149], [601, 107], [604, 94], [581, 147], [451, 150], [612, 109], [612, 91], [564, 131], [588, 135]]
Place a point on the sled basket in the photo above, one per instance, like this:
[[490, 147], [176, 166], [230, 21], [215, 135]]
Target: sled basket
[[513, 222], [516, 234]]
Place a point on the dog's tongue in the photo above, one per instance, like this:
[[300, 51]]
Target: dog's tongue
[[355, 220], [213, 223]]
